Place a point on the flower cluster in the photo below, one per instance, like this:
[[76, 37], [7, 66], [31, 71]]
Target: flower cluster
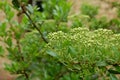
[[81, 46]]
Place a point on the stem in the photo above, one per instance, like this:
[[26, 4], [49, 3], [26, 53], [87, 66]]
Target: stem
[[57, 25], [19, 50], [61, 73], [34, 25], [58, 76], [26, 75], [22, 59]]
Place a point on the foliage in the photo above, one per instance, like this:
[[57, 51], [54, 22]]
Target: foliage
[[99, 23], [57, 9], [86, 52], [43, 47], [79, 20], [114, 25], [85, 20], [89, 10], [117, 5]]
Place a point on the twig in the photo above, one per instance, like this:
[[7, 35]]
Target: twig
[[22, 58], [34, 25], [58, 76], [25, 74], [19, 50]]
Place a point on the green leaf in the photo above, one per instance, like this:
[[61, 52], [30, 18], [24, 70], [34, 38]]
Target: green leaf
[[16, 4], [7, 8], [1, 51], [113, 77], [18, 35], [71, 50], [21, 77], [10, 15], [30, 8], [9, 42], [113, 71], [1, 5], [24, 1], [51, 53], [117, 67], [101, 63], [2, 29]]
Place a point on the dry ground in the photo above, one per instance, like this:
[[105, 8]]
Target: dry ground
[[104, 7], [105, 10]]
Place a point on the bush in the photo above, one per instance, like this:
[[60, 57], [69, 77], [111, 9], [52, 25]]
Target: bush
[[42, 47], [89, 10], [99, 23], [85, 52], [57, 9]]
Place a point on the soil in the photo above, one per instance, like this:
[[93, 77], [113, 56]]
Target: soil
[[105, 8]]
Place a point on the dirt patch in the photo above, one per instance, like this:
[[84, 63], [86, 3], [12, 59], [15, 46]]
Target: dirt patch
[[105, 8], [4, 75]]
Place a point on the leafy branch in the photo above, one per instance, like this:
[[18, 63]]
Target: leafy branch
[[24, 10]]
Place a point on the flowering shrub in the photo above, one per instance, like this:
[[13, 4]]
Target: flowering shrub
[[84, 51]]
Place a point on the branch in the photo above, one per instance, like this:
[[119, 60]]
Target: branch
[[19, 50], [34, 25], [25, 74], [22, 58]]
